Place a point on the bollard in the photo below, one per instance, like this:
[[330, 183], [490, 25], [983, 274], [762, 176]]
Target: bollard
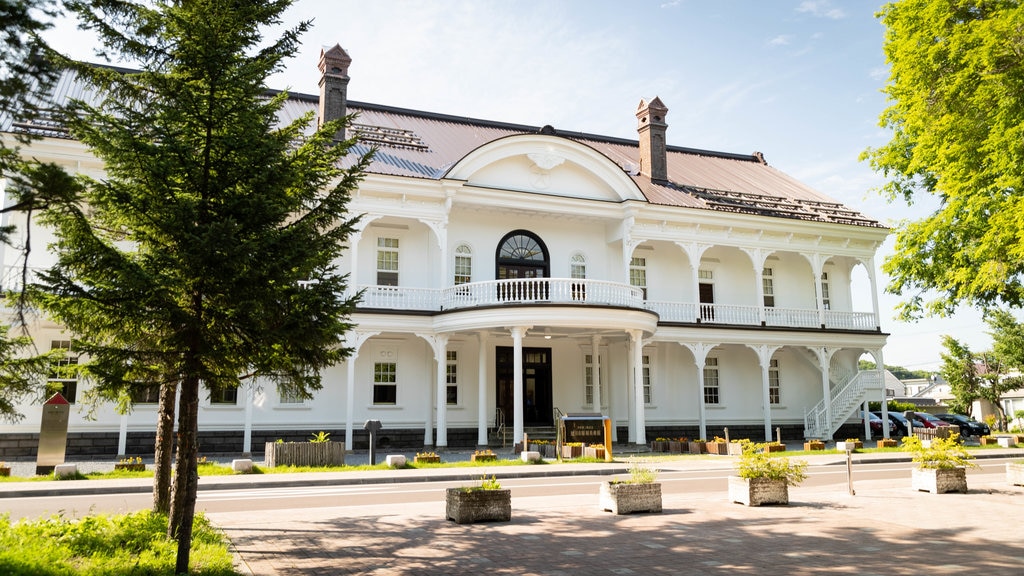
[[849, 469], [373, 426], [726, 430]]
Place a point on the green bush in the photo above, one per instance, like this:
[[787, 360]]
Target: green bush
[[941, 452], [755, 462]]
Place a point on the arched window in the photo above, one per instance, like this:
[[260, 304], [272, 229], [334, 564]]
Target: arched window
[[578, 270], [463, 265], [521, 254]]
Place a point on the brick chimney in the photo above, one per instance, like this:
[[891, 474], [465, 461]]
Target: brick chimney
[[333, 66], [651, 127]]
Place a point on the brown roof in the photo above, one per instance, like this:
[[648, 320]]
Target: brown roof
[[426, 145]]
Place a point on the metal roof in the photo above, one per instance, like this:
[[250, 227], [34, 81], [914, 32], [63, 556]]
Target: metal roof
[[421, 144]]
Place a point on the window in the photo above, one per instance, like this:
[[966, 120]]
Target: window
[[578, 270], [646, 368], [146, 394], [588, 380], [62, 378], [463, 265], [387, 261], [289, 396], [225, 395], [638, 274], [706, 294], [825, 300], [711, 385], [452, 378], [768, 288], [773, 382], [385, 388]]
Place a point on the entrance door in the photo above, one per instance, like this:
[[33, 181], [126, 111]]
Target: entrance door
[[537, 397], [706, 294]]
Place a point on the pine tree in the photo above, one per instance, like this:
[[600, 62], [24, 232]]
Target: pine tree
[[208, 252]]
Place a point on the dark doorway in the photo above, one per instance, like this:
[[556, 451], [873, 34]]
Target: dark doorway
[[521, 255], [537, 398], [706, 294]]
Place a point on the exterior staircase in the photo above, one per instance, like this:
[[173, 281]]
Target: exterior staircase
[[846, 399]]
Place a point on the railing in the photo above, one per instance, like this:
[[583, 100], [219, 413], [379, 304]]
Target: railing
[[844, 401], [792, 317], [400, 298], [850, 320], [528, 290]]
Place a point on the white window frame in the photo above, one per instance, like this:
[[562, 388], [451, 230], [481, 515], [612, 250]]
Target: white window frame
[[774, 382], [387, 261], [647, 375], [638, 273], [826, 292], [712, 381], [451, 377], [768, 287], [56, 381], [462, 267], [385, 374]]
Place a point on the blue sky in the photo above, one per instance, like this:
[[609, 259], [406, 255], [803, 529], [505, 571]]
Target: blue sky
[[798, 80]]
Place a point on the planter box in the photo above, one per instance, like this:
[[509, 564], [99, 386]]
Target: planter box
[[774, 448], [843, 446], [483, 457], [626, 498], [127, 467], [987, 440], [427, 459], [1015, 474], [659, 446], [466, 506], [758, 491], [592, 452], [304, 454], [939, 480], [549, 451], [886, 443], [675, 446], [572, 451], [5, 471], [718, 448], [1007, 441], [814, 446], [698, 447]]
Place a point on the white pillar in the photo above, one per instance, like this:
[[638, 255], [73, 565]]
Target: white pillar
[[638, 386], [867, 420], [439, 344], [353, 274], [517, 383], [874, 292], [250, 399], [825, 357], [595, 342], [350, 396], [880, 366], [481, 384], [700, 355], [764, 356], [122, 437]]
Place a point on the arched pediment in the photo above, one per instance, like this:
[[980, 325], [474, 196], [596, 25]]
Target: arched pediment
[[545, 164]]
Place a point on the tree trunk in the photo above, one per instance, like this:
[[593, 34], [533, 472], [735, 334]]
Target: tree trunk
[[164, 448], [186, 478]]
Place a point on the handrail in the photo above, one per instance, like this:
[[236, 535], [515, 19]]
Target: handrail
[[499, 425]]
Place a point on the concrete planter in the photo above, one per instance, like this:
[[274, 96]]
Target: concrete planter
[[626, 497], [1015, 473], [844, 446], [304, 454], [939, 480], [1007, 441], [470, 505], [758, 491]]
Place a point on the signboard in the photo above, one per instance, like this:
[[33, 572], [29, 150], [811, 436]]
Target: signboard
[[53, 434], [588, 429]]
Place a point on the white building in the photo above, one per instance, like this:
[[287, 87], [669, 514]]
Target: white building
[[513, 273]]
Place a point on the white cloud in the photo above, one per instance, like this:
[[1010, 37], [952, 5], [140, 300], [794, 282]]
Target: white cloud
[[780, 40], [821, 9]]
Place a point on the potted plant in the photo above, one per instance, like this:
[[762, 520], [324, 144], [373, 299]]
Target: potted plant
[[594, 451], [941, 466], [130, 464], [684, 445], [814, 445], [639, 493], [764, 479], [886, 443], [771, 447], [988, 440], [572, 449], [850, 444], [675, 445], [659, 445], [5, 470], [427, 458], [318, 451], [485, 502], [485, 455], [718, 445], [699, 446], [1015, 472]]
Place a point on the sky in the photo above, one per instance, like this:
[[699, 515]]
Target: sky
[[798, 80]]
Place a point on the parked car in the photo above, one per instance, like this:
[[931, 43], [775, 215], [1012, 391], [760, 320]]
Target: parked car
[[926, 420], [968, 426], [875, 422], [901, 424]]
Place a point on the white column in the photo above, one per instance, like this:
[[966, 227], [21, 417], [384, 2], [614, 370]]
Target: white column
[[595, 342], [439, 343], [122, 437], [874, 292], [880, 366], [517, 383], [250, 399], [867, 420], [825, 357], [638, 386], [481, 384], [350, 396], [817, 265], [353, 276], [764, 356], [700, 355]]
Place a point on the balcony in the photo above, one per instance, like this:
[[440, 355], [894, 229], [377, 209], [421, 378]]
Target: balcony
[[584, 292]]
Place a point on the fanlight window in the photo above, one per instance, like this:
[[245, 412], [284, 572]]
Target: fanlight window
[[521, 247]]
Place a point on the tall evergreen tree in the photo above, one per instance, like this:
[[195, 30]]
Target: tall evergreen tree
[[208, 252]]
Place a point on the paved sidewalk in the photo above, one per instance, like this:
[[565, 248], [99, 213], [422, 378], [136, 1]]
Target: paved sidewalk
[[884, 530]]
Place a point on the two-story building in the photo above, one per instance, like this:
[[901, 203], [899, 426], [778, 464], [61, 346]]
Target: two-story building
[[514, 273]]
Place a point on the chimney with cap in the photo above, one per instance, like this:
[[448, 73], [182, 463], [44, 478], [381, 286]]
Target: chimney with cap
[[334, 64], [651, 127]]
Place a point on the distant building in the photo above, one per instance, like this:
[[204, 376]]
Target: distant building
[[513, 273]]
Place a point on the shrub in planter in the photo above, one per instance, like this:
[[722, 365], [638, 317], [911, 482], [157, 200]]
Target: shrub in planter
[[486, 502], [427, 458], [659, 445], [5, 470], [814, 445], [941, 466], [639, 493], [764, 479], [886, 443], [130, 464], [486, 455], [698, 447]]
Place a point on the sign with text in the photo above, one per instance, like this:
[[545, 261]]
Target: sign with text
[[588, 429]]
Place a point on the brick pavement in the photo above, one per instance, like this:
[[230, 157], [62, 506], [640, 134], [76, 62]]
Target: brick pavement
[[883, 530]]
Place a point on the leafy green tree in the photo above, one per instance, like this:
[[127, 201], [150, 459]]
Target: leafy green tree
[[956, 112], [960, 370], [208, 253]]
